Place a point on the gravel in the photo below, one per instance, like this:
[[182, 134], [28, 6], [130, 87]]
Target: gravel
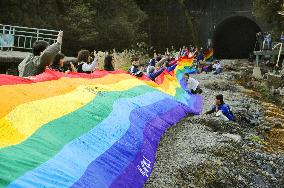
[[204, 151]]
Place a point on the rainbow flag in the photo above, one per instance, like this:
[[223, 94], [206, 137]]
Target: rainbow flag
[[185, 65], [86, 130], [209, 55]]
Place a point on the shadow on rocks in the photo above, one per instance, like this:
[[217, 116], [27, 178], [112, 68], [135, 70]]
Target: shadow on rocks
[[217, 124], [221, 86]]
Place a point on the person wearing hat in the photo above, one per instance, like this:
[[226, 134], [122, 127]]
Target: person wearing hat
[[222, 109]]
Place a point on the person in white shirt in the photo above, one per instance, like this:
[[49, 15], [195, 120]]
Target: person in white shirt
[[192, 84], [84, 59], [217, 67]]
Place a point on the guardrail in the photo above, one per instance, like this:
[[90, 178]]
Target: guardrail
[[17, 38]]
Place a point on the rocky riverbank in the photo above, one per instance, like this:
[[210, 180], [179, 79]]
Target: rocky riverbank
[[204, 151]]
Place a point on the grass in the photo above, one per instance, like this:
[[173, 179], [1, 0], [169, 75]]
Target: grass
[[122, 59], [255, 138]]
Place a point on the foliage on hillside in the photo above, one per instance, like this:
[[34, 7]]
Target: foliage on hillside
[[105, 24], [268, 11]]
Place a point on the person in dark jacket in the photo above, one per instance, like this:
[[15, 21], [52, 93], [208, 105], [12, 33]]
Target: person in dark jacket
[[58, 63], [222, 109], [135, 68], [200, 56], [260, 38], [152, 62], [170, 67], [109, 63], [282, 38], [153, 73]]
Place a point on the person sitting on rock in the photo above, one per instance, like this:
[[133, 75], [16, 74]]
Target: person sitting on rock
[[205, 68], [41, 57], [217, 67], [192, 84], [153, 73], [222, 109]]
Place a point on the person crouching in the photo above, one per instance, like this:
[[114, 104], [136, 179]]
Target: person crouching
[[192, 84], [222, 109]]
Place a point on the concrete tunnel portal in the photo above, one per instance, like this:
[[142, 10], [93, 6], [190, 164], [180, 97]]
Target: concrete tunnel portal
[[235, 38]]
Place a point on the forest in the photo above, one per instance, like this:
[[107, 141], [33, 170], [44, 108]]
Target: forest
[[120, 24]]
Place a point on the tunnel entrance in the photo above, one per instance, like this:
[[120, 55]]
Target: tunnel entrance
[[235, 38]]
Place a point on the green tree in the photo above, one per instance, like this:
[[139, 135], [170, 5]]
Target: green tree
[[101, 24], [78, 25], [268, 11], [31, 13], [119, 24], [169, 23]]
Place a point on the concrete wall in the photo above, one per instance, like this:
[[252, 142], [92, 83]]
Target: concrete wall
[[209, 14]]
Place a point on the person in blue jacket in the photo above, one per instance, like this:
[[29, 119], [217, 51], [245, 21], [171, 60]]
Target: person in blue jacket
[[153, 73], [169, 67], [222, 109], [135, 68]]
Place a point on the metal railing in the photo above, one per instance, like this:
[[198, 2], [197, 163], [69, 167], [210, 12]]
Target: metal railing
[[17, 38]]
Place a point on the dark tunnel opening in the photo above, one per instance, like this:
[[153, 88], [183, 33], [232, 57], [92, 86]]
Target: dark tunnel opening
[[235, 38]]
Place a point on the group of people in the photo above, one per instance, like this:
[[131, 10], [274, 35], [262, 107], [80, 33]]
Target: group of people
[[160, 63], [201, 64], [264, 40], [156, 66], [168, 62], [44, 56], [215, 67], [221, 109]]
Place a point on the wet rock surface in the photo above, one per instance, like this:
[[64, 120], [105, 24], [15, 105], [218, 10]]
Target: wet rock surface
[[205, 151]]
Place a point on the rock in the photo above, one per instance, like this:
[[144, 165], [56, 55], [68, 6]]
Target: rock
[[235, 138], [265, 128], [278, 124], [204, 151], [273, 179], [253, 122]]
